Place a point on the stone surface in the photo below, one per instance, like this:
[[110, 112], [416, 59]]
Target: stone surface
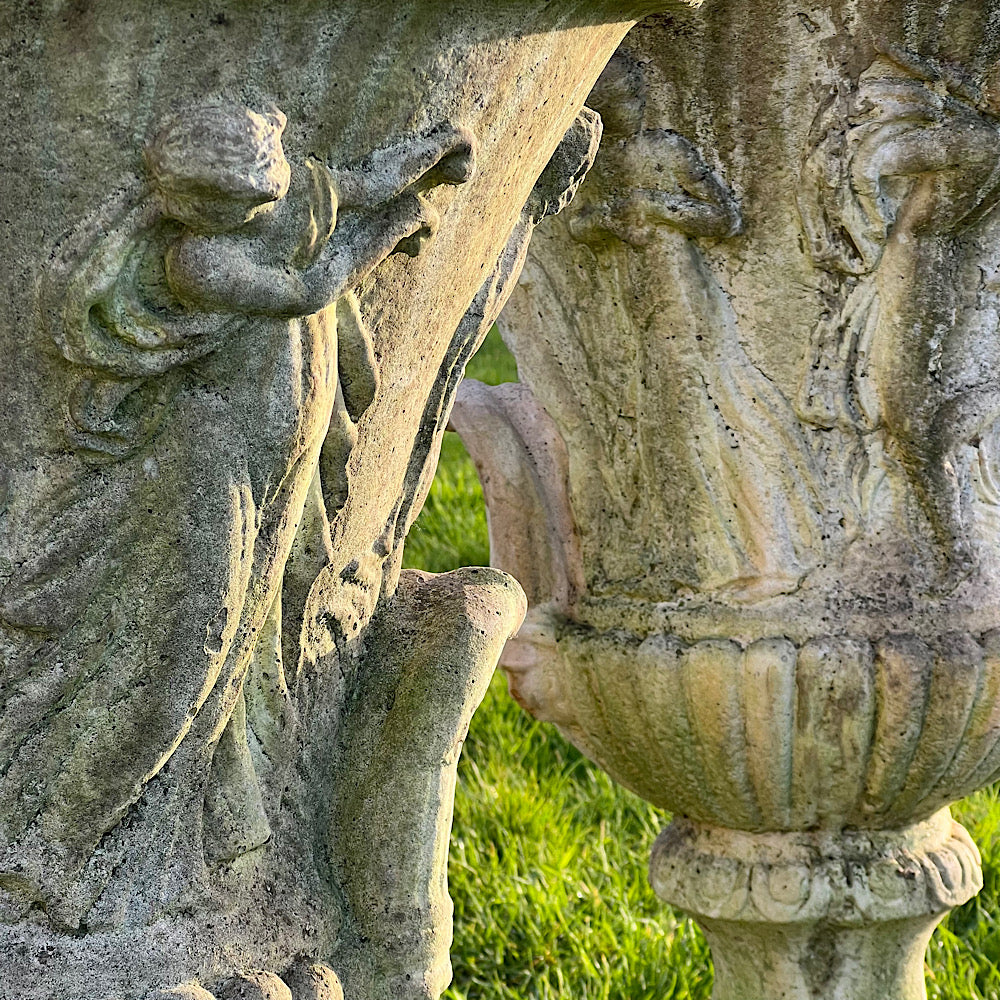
[[314, 982], [255, 986], [757, 436], [843, 914], [247, 251]]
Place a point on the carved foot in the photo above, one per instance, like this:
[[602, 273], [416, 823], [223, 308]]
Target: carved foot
[[304, 981], [812, 915]]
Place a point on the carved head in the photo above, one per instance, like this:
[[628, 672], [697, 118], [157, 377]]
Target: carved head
[[215, 166], [619, 97]]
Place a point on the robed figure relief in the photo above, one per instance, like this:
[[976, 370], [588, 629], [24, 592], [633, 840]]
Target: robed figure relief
[[692, 457], [219, 363], [896, 201]]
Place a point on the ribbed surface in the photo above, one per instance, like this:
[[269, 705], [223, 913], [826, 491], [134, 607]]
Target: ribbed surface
[[836, 732]]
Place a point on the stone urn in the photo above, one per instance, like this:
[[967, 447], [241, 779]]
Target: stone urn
[[749, 478], [247, 251]]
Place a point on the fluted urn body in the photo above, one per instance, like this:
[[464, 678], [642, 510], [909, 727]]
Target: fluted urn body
[[757, 437]]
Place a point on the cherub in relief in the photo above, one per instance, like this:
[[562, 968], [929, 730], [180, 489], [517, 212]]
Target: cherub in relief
[[904, 171], [217, 364], [224, 230]]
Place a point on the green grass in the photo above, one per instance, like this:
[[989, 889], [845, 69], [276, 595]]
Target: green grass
[[548, 874], [964, 956], [451, 529], [548, 856]]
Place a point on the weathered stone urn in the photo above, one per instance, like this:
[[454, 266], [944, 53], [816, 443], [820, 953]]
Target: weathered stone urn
[[749, 479], [247, 250]]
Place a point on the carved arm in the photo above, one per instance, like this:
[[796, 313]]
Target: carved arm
[[219, 273], [445, 155], [958, 163]]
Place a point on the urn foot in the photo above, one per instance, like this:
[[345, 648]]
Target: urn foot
[[818, 915], [821, 961]]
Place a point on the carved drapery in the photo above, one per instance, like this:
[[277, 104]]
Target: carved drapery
[[248, 253]]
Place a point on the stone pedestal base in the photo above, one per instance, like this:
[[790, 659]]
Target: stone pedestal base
[[817, 915], [882, 961]]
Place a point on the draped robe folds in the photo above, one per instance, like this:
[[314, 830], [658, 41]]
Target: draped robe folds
[[148, 562]]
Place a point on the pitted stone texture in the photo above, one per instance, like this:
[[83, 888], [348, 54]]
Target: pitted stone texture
[[186, 991], [314, 982], [846, 878], [247, 253], [758, 435], [255, 986], [811, 915]]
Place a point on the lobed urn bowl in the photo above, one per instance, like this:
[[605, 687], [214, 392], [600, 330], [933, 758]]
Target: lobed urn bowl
[[809, 782], [833, 733]]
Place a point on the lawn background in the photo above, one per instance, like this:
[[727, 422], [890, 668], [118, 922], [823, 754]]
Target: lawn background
[[548, 856]]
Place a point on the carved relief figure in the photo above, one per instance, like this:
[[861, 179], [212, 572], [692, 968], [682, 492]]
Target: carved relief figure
[[220, 359], [904, 169], [703, 444]]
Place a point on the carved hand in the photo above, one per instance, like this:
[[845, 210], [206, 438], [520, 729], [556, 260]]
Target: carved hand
[[444, 155], [455, 147], [949, 154], [363, 240], [222, 273]]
